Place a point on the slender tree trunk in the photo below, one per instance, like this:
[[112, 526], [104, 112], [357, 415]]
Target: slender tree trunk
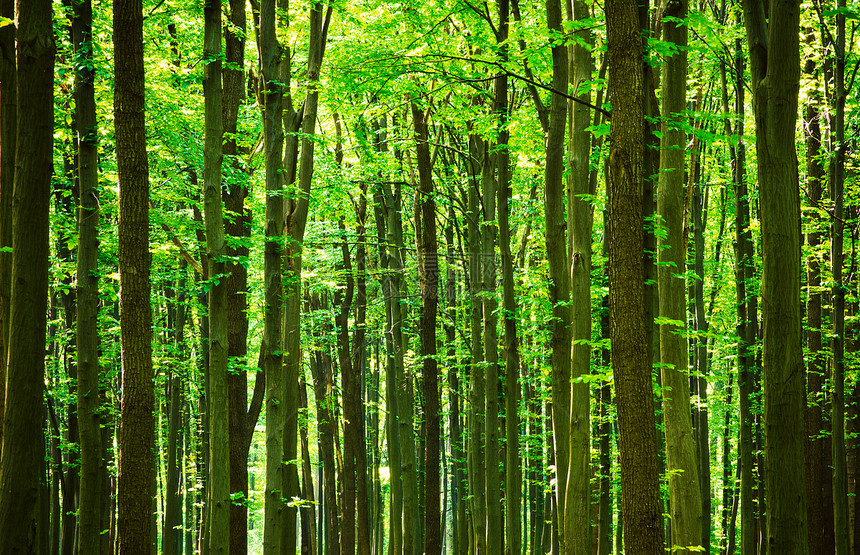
[[22, 467], [559, 269], [8, 123], [429, 272], [577, 511], [295, 219], [237, 225], [171, 536], [218, 502], [643, 522], [325, 401], [343, 304], [275, 380], [88, 395], [393, 344], [685, 502], [775, 69], [819, 508], [358, 357], [837, 343], [136, 421], [476, 419]]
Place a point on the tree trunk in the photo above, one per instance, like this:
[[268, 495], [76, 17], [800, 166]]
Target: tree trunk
[[276, 385], [559, 265], [387, 252], [775, 83], [218, 502], [136, 421], [577, 511], [429, 272], [325, 401], [477, 470], [295, 218], [837, 342], [22, 467], [8, 123], [819, 508], [642, 513], [88, 396], [685, 502]]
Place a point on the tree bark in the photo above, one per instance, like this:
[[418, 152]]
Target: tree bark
[[775, 69], [685, 502], [8, 123], [577, 512], [88, 395], [641, 507], [270, 60], [837, 342], [429, 272], [22, 465], [218, 502], [136, 421], [819, 508], [558, 260]]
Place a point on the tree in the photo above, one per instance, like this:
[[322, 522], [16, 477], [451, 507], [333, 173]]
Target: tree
[[577, 510], [685, 503], [557, 257], [429, 271], [22, 467], [136, 421], [643, 523], [8, 123], [87, 341], [219, 436], [775, 67], [270, 60]]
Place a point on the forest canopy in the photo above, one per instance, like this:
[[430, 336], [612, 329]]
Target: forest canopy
[[429, 277]]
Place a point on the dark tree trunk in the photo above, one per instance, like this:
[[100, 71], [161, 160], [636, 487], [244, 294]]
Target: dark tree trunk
[[88, 396], [218, 498], [22, 465], [429, 273], [136, 421], [775, 69], [819, 508], [642, 511], [8, 123]]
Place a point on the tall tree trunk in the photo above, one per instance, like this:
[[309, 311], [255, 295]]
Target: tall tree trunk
[[642, 513], [837, 342], [351, 398], [775, 69], [429, 271], [325, 402], [237, 225], [685, 502], [358, 357], [476, 419], [88, 396], [819, 507], [136, 421], [171, 536], [8, 123], [22, 465], [577, 511], [382, 206], [513, 466], [295, 219], [559, 269], [218, 502], [276, 408]]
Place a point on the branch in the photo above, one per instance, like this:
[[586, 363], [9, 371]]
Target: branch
[[178, 242]]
